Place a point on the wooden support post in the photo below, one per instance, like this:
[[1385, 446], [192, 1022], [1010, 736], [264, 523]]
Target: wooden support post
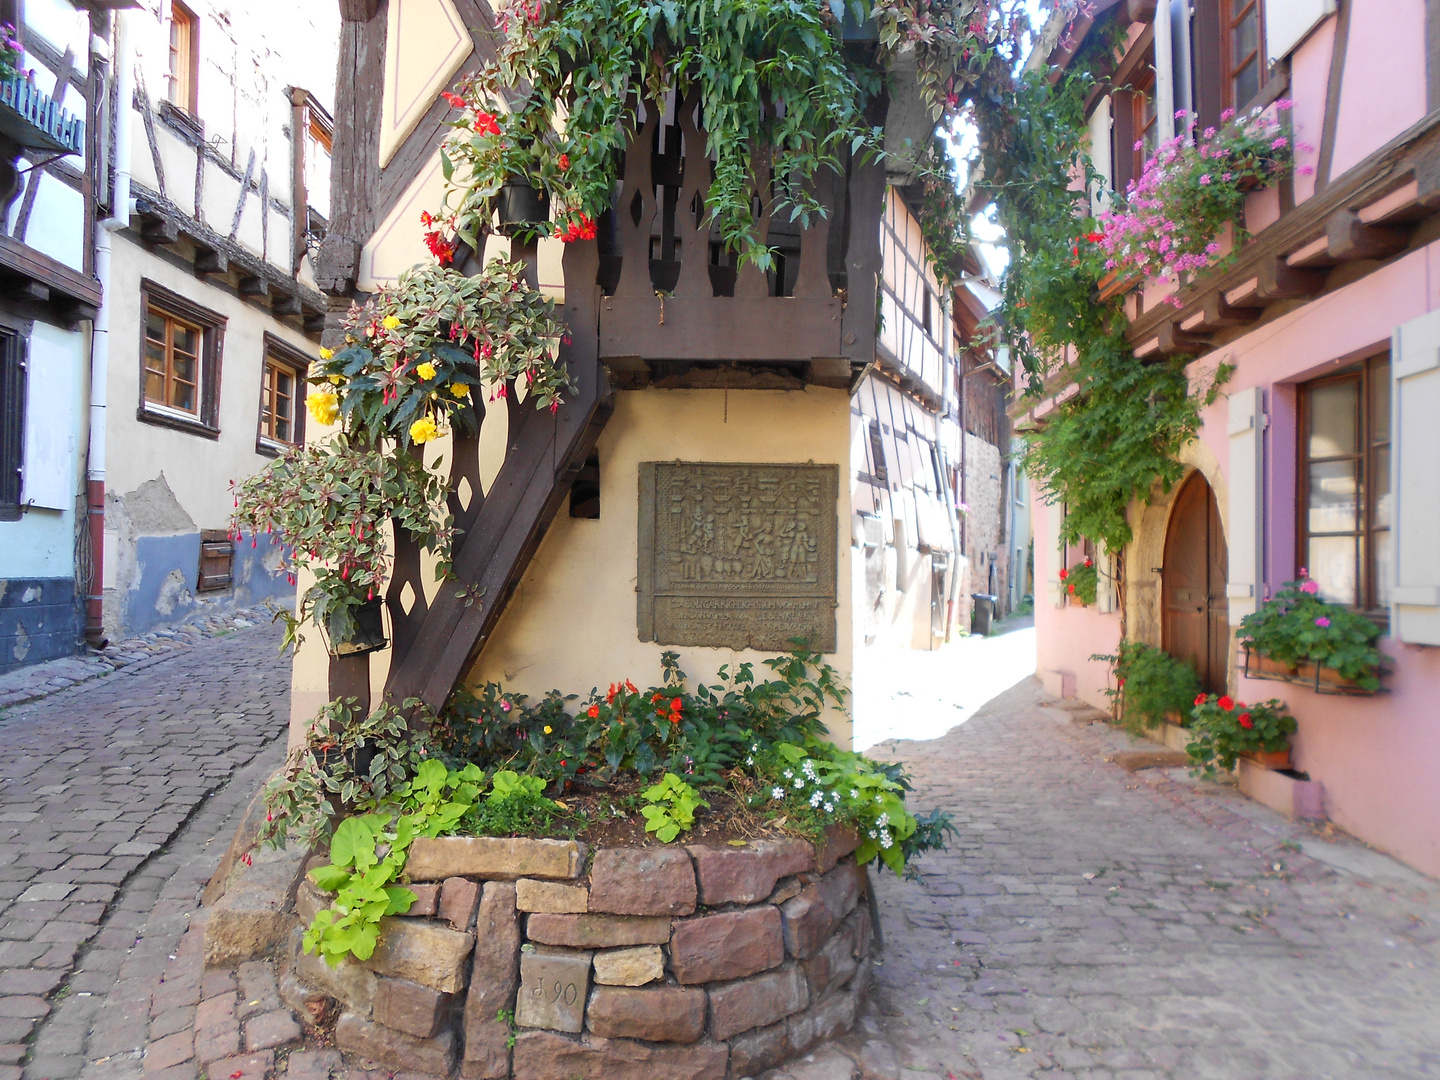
[[1351, 238]]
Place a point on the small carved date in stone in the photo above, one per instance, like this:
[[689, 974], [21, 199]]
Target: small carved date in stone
[[738, 556], [553, 986]]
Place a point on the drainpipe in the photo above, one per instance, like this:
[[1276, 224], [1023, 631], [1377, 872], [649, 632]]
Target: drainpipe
[[120, 208]]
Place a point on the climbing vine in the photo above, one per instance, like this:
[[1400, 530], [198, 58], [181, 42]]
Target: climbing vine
[[1120, 433]]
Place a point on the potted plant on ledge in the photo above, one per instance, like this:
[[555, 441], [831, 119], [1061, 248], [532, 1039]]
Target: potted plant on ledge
[[1224, 729], [1298, 637], [1082, 583]]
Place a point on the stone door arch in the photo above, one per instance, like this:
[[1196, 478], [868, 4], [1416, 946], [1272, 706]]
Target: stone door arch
[[1193, 607]]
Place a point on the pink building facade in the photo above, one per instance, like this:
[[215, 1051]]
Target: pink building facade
[[1324, 450]]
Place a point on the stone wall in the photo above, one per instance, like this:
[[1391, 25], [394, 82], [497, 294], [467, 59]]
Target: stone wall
[[691, 963]]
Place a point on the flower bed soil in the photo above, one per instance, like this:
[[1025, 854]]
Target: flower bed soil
[[607, 824], [545, 958]]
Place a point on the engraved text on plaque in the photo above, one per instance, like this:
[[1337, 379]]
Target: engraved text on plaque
[[738, 556]]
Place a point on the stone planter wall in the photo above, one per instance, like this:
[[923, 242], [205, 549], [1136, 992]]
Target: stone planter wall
[[674, 963]]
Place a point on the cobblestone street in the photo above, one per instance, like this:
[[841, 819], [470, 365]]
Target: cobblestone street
[[1087, 922], [1097, 923], [116, 797]]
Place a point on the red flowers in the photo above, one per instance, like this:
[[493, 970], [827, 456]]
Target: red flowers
[[1064, 574], [486, 124], [1072, 589], [441, 248], [1245, 720], [1201, 699], [583, 229], [455, 100], [1227, 703], [564, 162], [593, 711]]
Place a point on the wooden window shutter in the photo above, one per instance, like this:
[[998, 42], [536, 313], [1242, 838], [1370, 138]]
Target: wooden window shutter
[[1054, 552], [1415, 396], [1246, 526], [1208, 66], [217, 560], [1122, 142]]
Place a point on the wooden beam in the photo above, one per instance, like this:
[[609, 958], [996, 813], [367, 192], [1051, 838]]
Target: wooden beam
[[286, 305], [211, 261], [1216, 314], [1176, 342], [1350, 238], [158, 229], [254, 286], [1280, 281], [358, 10], [1140, 11], [28, 289]]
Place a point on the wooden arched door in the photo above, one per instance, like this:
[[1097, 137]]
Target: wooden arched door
[[1196, 621]]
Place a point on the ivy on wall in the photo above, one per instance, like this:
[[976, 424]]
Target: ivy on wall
[[1121, 432]]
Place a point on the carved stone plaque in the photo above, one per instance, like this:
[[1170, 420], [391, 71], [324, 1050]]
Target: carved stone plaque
[[738, 556], [553, 985]]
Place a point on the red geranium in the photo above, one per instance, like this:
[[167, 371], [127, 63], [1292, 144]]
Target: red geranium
[[1245, 720], [1227, 703], [1064, 574], [1201, 700]]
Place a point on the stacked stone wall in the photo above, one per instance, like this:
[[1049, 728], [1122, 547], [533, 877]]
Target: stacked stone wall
[[691, 963]]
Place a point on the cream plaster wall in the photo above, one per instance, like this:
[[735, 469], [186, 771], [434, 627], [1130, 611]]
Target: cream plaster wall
[[572, 621]]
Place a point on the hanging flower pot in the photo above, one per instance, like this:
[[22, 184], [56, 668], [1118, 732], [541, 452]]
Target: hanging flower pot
[[368, 634], [520, 205]]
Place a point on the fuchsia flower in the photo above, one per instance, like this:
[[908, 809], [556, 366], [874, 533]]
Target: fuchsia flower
[[1322, 622], [1309, 586]]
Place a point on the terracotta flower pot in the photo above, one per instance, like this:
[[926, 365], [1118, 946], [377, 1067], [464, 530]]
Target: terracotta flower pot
[[1269, 759]]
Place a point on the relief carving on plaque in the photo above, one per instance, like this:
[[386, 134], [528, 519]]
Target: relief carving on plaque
[[738, 556]]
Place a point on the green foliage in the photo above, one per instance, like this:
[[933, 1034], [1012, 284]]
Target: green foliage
[[1082, 582], [1119, 436], [696, 733], [943, 221], [817, 784], [1296, 625], [670, 807], [515, 806], [368, 853], [328, 503], [424, 347], [1150, 684], [348, 759], [1223, 729]]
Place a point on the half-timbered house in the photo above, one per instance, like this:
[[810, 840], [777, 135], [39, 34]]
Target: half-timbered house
[[588, 537], [1321, 455]]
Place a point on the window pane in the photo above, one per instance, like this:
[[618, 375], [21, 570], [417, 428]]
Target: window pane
[[1332, 497], [1380, 483], [1332, 565], [1247, 32], [1384, 569], [1380, 401], [1247, 82], [186, 339], [184, 368], [182, 396], [282, 429], [1333, 410], [155, 326], [155, 387]]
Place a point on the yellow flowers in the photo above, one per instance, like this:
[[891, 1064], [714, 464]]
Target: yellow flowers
[[548, 729], [390, 322], [460, 390], [423, 430], [326, 354], [334, 380], [324, 406], [426, 371]]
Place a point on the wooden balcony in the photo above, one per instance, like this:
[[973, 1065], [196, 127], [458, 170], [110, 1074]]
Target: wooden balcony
[[674, 302]]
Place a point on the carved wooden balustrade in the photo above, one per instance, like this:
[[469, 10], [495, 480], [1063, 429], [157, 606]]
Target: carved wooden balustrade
[[674, 300]]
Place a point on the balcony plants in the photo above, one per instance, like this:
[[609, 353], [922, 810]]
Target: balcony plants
[[1151, 686], [1168, 221], [1299, 637], [1223, 729], [771, 77]]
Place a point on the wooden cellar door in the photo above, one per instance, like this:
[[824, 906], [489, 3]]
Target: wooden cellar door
[[1196, 625]]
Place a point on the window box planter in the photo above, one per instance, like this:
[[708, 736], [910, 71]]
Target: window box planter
[[1262, 667], [1326, 680], [1269, 759]]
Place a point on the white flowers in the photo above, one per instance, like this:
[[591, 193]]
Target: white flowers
[[884, 820], [854, 793], [873, 834], [788, 774], [799, 783], [815, 799], [777, 793], [750, 760]]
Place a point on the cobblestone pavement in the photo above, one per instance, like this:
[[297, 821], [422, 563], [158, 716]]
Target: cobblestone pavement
[[1094, 923], [116, 797], [41, 680]]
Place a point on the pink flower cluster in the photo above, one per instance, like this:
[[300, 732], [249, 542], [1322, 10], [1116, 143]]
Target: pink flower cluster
[[1167, 222]]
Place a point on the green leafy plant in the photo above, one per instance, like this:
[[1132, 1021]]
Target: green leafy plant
[[329, 503], [944, 223], [1150, 685], [516, 805], [1223, 729], [418, 352], [12, 53], [1296, 625], [670, 807], [368, 853], [348, 758], [1082, 582], [1116, 439]]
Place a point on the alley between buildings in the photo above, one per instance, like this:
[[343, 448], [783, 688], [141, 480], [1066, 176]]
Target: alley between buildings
[[1086, 921]]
